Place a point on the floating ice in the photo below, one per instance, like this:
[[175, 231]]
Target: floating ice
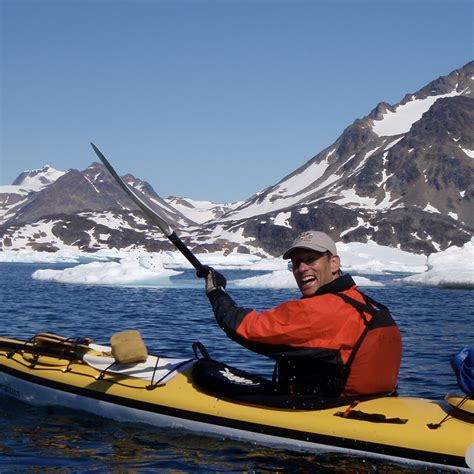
[[372, 259], [452, 268], [132, 270]]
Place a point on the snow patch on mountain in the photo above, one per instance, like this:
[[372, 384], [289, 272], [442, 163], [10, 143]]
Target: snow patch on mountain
[[35, 180], [200, 211], [115, 221], [405, 115], [11, 198], [393, 143], [301, 181], [31, 235], [282, 219], [364, 160], [469, 153], [92, 181], [235, 235], [294, 189], [350, 198], [13, 189]]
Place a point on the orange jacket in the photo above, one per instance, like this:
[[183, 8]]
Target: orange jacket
[[322, 344]]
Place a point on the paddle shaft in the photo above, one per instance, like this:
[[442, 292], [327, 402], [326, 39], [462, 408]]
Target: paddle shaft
[[158, 219], [184, 249]]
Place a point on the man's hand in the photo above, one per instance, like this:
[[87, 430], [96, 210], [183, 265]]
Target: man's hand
[[214, 279]]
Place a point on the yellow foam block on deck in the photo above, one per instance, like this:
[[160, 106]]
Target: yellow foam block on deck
[[128, 347]]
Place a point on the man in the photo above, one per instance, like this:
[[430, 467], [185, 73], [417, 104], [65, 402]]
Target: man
[[333, 342]]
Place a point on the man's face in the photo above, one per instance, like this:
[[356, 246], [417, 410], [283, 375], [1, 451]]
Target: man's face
[[313, 269]]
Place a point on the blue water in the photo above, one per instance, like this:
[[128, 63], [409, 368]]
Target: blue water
[[435, 324]]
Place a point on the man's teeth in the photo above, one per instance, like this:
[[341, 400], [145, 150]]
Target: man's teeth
[[307, 279]]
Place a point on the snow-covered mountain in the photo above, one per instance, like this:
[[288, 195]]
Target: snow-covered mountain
[[200, 211], [27, 183], [402, 176], [35, 180], [84, 209]]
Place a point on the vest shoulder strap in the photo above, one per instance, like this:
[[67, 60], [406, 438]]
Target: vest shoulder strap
[[367, 307], [370, 306]]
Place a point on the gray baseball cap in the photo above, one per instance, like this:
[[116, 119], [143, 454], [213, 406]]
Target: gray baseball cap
[[312, 240]]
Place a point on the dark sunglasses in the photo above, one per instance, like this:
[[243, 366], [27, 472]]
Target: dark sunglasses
[[308, 260]]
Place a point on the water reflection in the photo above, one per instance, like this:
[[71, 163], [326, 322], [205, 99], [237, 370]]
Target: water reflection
[[49, 440]]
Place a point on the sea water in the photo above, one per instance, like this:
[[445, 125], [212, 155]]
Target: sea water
[[435, 324]]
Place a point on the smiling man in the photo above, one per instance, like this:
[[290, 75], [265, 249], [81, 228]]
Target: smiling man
[[334, 341], [314, 261]]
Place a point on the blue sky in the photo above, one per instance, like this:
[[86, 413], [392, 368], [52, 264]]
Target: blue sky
[[210, 99]]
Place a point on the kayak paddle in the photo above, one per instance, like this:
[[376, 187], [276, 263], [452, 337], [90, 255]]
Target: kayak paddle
[[159, 220]]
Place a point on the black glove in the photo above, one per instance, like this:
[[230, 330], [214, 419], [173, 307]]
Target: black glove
[[214, 279]]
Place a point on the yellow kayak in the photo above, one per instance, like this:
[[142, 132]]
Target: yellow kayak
[[160, 391]]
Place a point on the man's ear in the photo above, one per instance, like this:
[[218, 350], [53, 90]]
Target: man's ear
[[335, 264]]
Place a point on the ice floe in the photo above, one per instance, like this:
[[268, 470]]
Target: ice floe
[[146, 269], [452, 268]]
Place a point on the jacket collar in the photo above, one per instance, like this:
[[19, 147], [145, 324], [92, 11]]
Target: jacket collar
[[342, 283]]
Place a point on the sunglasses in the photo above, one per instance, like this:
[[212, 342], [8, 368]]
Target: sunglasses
[[308, 259]]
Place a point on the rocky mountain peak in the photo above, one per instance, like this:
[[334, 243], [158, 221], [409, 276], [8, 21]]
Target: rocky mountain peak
[[414, 155], [460, 81], [34, 180], [401, 176]]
